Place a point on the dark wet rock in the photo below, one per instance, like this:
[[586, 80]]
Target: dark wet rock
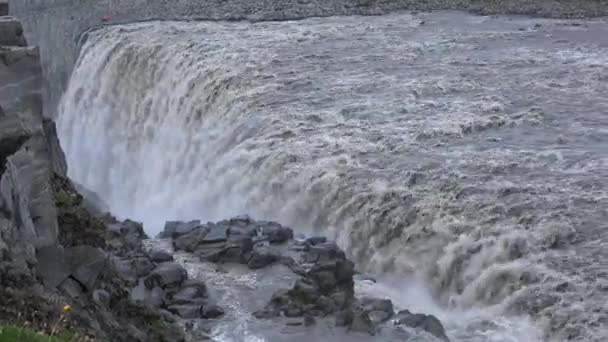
[[369, 304], [142, 266], [190, 293], [174, 229], [293, 265], [294, 323], [132, 230], [261, 257], [322, 252], [53, 266], [86, 265], [159, 256], [315, 240], [428, 323], [234, 250], [215, 233], [362, 322], [276, 233], [71, 288], [11, 32], [168, 274], [201, 237], [211, 311], [326, 285], [187, 311], [378, 316]]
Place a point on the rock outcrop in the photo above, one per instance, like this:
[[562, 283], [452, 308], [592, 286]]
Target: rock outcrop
[[53, 250], [324, 288]]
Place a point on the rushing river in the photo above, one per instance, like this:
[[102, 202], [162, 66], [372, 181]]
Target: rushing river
[[462, 159]]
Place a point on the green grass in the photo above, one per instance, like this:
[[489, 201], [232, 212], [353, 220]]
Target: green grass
[[11, 333]]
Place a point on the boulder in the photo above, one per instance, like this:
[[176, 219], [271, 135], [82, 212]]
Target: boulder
[[174, 229], [168, 274], [53, 267], [187, 311], [71, 288], [141, 266], [159, 256], [241, 220], [235, 249], [261, 257], [200, 236], [191, 240], [428, 323], [381, 308], [315, 240], [86, 264], [11, 32], [190, 291], [215, 233], [211, 311], [323, 252], [276, 233]]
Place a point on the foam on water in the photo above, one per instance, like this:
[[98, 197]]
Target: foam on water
[[466, 151]]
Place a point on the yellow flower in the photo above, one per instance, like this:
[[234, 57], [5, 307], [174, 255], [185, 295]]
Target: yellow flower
[[67, 307]]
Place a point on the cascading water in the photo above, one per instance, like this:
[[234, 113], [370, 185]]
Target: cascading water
[[464, 152]]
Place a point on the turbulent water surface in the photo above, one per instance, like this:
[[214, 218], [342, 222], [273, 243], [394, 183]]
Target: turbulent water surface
[[464, 153]]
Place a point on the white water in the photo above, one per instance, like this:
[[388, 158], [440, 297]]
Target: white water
[[464, 150]]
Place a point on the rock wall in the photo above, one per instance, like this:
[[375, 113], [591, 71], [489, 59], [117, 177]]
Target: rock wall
[[53, 250], [56, 25]]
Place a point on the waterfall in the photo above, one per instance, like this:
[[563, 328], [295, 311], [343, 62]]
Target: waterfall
[[373, 130]]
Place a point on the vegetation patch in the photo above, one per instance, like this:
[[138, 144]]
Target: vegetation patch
[[13, 333]]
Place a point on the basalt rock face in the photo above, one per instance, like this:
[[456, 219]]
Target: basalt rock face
[[53, 250]]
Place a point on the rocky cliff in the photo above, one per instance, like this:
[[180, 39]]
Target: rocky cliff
[[53, 251]]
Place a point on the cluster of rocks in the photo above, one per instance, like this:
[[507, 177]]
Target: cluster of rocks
[[239, 240], [157, 281], [325, 285]]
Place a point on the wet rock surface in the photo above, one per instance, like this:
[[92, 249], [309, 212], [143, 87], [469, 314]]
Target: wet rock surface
[[323, 288]]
